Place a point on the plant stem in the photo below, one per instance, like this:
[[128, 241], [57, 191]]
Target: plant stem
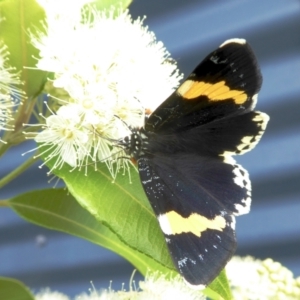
[[16, 172], [3, 148], [4, 203]]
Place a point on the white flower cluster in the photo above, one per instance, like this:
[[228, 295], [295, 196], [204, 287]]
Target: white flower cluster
[[46, 294], [249, 278], [261, 280], [10, 96], [108, 70], [154, 287]]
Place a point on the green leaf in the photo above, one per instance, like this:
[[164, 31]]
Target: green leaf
[[57, 209], [11, 289], [219, 289], [18, 16], [121, 206]]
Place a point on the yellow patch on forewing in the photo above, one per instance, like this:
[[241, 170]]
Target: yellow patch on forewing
[[219, 91], [173, 223]]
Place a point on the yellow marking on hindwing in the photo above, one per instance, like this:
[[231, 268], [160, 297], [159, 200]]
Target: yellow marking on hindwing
[[195, 223], [219, 91]]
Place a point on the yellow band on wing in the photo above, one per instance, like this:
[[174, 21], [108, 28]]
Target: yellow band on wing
[[219, 91], [173, 223]]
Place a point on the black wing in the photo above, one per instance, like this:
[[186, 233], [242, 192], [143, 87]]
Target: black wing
[[196, 189], [186, 167], [195, 200], [225, 83], [225, 137]]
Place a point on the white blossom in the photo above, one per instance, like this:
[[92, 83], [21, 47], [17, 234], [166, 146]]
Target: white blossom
[[47, 294], [249, 278], [10, 95], [157, 286], [261, 280], [110, 67], [64, 137], [154, 287]]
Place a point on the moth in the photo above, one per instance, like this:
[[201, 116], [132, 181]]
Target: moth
[[184, 156]]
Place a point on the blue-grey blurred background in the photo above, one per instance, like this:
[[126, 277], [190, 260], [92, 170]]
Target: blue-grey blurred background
[[189, 30]]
